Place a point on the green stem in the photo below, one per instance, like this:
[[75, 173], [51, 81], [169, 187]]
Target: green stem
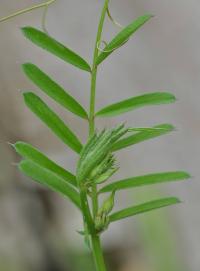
[[93, 94], [86, 211], [96, 244], [97, 253], [94, 70], [45, 4]]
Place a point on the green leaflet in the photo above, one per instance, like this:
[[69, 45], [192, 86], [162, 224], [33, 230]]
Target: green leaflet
[[122, 37], [29, 152], [145, 129], [43, 112], [49, 44], [53, 181], [142, 208], [146, 180], [142, 136], [52, 89], [148, 99]]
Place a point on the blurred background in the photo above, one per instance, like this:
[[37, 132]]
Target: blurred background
[[38, 227]]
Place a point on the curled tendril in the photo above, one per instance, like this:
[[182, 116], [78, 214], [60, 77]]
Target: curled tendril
[[115, 22], [109, 51], [45, 5], [99, 45]]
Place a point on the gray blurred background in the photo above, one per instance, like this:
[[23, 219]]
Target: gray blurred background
[[37, 227]]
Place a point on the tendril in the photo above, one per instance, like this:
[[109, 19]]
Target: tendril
[[112, 19], [99, 45], [111, 50], [44, 17], [26, 10], [116, 23]]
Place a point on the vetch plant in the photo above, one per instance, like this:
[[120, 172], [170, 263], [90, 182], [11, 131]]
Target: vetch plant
[[96, 161]]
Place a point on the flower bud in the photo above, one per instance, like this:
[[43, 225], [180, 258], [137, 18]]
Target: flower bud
[[108, 204], [96, 157], [101, 223], [102, 219]]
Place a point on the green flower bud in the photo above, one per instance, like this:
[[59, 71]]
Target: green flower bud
[[108, 204], [101, 223], [105, 176], [92, 154], [103, 167], [102, 220], [96, 157]]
